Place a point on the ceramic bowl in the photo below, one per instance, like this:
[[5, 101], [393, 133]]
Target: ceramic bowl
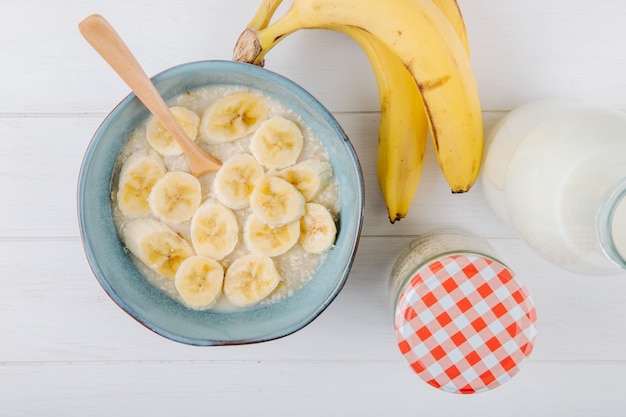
[[116, 271]]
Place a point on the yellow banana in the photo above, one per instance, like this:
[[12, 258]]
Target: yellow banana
[[424, 40], [403, 130]]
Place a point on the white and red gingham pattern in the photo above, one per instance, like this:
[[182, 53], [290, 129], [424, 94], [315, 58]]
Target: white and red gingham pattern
[[465, 324]]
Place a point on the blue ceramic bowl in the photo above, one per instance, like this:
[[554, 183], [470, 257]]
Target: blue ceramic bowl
[[115, 270]]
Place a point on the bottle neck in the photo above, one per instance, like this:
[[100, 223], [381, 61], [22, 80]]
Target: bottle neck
[[612, 223]]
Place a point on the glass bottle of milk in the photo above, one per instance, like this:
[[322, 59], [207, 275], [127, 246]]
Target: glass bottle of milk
[[555, 172]]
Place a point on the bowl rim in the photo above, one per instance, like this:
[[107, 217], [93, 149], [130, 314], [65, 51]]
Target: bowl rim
[[272, 78]]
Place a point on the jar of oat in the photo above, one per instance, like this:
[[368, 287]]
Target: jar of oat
[[463, 320]]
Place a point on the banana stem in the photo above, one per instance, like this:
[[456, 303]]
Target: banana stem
[[264, 14], [253, 44]]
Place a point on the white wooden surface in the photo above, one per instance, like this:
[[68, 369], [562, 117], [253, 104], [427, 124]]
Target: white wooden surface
[[67, 350]]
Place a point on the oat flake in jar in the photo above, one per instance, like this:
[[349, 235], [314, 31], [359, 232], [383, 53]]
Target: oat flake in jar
[[463, 321], [555, 172]]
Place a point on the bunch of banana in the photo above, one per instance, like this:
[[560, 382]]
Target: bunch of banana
[[419, 53]]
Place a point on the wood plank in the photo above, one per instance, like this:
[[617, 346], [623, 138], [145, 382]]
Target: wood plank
[[40, 159], [533, 49], [520, 51], [303, 388], [41, 163], [52, 309], [82, 82]]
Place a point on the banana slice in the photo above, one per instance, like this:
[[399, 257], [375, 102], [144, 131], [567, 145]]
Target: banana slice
[[276, 202], [156, 245], [309, 177], [141, 170], [199, 281], [250, 279], [233, 117], [317, 229], [277, 143], [267, 240], [235, 181], [175, 197], [160, 139], [214, 230]]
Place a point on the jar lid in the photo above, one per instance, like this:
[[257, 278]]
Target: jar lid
[[465, 324]]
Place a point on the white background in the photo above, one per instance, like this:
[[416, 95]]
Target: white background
[[67, 350]]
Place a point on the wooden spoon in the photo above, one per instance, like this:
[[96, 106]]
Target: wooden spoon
[[106, 41]]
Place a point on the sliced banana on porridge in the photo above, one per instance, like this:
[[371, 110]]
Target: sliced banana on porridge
[[277, 143], [244, 235], [317, 229], [235, 180], [233, 117], [250, 279], [199, 281], [175, 197], [161, 140], [276, 202], [267, 240], [309, 177], [156, 245], [214, 230], [141, 170]]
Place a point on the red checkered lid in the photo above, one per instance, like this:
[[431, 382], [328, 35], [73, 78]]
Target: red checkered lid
[[465, 324]]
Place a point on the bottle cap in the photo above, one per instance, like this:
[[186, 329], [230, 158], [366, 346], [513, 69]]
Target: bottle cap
[[464, 323]]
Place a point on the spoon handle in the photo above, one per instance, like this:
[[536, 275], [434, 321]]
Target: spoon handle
[[106, 41]]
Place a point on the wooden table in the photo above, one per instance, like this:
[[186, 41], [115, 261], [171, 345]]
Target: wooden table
[[67, 350]]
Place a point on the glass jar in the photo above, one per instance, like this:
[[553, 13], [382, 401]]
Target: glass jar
[[463, 321], [555, 172]]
